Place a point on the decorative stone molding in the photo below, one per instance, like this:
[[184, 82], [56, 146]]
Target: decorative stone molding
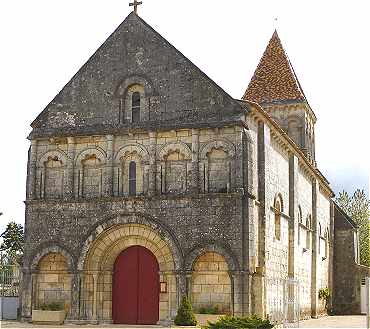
[[218, 144], [132, 148], [133, 80], [174, 147], [192, 256], [53, 247], [131, 218], [57, 155], [85, 154]]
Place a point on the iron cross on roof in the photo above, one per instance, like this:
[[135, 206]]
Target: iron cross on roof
[[135, 4]]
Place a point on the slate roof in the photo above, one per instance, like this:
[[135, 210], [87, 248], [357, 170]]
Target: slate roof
[[274, 79]]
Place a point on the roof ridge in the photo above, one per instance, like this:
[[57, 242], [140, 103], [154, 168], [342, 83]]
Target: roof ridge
[[185, 57]]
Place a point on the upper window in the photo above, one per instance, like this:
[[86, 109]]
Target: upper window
[[299, 224], [278, 209], [308, 232], [135, 108], [132, 178]]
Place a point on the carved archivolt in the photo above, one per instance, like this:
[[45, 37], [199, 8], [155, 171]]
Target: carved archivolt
[[55, 155], [87, 154], [179, 147], [226, 146], [132, 149], [53, 248]]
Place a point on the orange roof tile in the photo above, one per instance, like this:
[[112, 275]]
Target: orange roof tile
[[274, 79]]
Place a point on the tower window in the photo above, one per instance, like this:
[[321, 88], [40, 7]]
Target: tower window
[[132, 178], [135, 106]]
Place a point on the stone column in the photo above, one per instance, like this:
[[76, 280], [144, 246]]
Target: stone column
[[32, 165], [293, 210], [95, 297], [238, 161], [152, 163], [237, 296], [189, 284], [314, 266], [181, 287], [75, 296], [259, 291], [195, 161], [26, 295], [69, 184], [172, 305], [108, 171]]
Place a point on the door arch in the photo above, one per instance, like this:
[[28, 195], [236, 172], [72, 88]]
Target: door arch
[[135, 294]]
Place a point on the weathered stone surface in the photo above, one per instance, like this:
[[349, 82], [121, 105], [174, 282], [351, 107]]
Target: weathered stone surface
[[188, 173]]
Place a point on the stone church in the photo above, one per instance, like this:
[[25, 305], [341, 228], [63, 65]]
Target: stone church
[[147, 182]]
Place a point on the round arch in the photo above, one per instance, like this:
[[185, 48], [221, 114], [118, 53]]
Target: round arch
[[193, 255], [134, 80], [218, 144], [174, 147], [130, 148], [279, 199], [55, 155], [51, 247], [97, 151], [118, 222]]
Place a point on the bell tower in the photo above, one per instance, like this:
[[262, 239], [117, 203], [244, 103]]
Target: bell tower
[[276, 88]]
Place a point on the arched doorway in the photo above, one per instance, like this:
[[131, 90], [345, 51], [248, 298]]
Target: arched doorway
[[135, 294]]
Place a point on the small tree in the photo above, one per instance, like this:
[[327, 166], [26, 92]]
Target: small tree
[[358, 208], [13, 241], [185, 315]]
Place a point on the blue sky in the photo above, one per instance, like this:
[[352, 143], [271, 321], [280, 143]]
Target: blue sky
[[45, 42]]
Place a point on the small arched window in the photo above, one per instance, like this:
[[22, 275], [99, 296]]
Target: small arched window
[[277, 220], [308, 232], [135, 109], [326, 243], [299, 224], [320, 237], [132, 178]]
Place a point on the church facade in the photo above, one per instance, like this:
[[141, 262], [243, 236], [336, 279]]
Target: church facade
[[147, 182]]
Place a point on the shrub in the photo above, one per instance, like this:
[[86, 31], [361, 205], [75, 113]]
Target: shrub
[[209, 310], [52, 307], [230, 322], [325, 294], [185, 315]]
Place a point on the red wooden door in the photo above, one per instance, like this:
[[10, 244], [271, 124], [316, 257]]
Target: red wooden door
[[135, 295]]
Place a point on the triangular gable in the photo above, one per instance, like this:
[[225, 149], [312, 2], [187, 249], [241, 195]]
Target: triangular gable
[[179, 91], [274, 79]]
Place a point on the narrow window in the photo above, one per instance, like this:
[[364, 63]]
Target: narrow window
[[308, 232], [320, 237], [277, 220], [135, 107], [132, 178], [299, 224]]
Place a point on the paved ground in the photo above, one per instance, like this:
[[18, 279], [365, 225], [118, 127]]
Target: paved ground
[[355, 321]]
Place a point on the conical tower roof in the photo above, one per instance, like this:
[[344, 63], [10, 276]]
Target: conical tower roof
[[274, 79]]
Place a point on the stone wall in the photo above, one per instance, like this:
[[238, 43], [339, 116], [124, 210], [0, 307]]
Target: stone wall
[[211, 284], [348, 273]]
